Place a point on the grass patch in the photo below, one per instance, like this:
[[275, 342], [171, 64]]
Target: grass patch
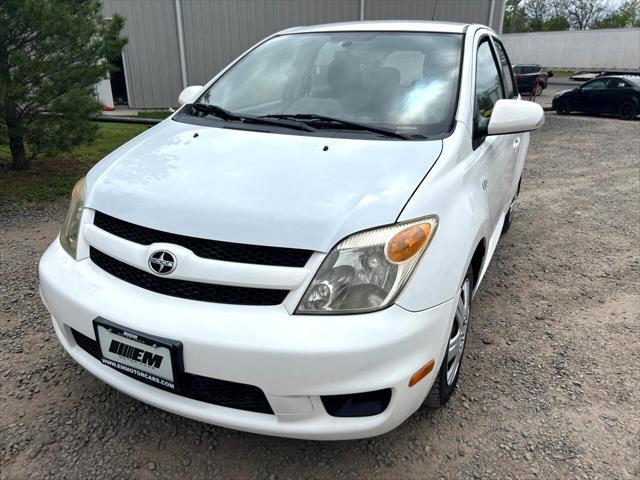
[[159, 115], [562, 73], [53, 177]]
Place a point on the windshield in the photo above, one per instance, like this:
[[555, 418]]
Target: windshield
[[407, 82]]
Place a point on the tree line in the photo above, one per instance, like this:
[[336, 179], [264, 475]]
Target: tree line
[[555, 15]]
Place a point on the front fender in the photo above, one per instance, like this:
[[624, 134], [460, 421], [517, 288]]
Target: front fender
[[453, 191]]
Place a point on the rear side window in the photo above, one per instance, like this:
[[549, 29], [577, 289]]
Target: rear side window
[[595, 85], [488, 84], [617, 83], [509, 87]]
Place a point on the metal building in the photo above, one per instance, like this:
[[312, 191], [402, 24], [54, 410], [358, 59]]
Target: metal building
[[176, 43]]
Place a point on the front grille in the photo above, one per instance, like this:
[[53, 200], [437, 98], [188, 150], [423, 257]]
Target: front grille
[[204, 292], [205, 389], [211, 249]]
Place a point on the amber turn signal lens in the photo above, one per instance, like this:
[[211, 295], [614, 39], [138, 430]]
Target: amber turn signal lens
[[408, 242], [420, 374]]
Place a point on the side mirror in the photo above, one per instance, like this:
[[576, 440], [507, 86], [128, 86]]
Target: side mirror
[[514, 116], [189, 94]]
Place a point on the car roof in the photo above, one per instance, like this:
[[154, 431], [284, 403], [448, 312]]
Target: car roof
[[383, 26], [625, 77], [631, 78], [635, 79]]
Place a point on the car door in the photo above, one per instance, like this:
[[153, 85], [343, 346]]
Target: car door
[[589, 97], [513, 170], [496, 152], [531, 72], [614, 93]]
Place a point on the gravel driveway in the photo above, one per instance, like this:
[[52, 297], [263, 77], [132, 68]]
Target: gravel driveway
[[550, 386]]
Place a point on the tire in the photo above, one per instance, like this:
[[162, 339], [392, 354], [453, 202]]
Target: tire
[[447, 377], [538, 89], [563, 107], [508, 217], [627, 111]]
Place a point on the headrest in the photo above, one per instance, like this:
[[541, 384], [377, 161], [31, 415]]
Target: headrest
[[382, 77], [343, 73]]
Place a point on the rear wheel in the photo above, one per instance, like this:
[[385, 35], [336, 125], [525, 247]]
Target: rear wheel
[[563, 107], [538, 89], [627, 111], [447, 377]]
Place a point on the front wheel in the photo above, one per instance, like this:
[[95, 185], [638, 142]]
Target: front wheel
[[563, 107], [447, 377], [627, 111]]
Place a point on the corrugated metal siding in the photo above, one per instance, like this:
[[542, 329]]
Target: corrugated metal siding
[[151, 57], [468, 11], [217, 32]]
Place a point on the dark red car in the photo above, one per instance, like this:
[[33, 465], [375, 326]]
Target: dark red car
[[526, 76]]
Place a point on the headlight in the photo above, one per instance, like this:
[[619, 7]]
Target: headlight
[[71, 226], [367, 270]]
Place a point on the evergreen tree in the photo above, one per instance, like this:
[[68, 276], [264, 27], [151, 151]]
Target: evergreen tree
[[52, 54]]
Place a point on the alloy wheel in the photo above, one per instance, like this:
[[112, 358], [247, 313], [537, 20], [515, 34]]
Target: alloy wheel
[[562, 107], [459, 331], [627, 111]]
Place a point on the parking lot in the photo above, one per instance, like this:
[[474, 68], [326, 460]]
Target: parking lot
[[550, 385]]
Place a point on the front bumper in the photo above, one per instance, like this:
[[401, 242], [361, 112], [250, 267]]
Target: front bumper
[[293, 359]]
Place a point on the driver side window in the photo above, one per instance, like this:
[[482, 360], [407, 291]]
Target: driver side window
[[488, 85]]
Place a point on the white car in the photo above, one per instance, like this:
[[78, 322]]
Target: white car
[[294, 252], [583, 76]]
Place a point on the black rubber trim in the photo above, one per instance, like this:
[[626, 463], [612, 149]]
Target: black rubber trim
[[211, 249], [364, 404], [209, 390]]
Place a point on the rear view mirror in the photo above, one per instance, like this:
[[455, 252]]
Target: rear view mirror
[[189, 94], [514, 116]]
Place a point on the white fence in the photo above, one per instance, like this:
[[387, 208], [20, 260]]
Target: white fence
[[606, 49]]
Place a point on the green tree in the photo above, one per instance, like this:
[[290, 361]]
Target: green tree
[[52, 54], [515, 17], [583, 14], [555, 23], [536, 11], [626, 15]]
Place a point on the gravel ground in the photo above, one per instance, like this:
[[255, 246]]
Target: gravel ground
[[549, 388]]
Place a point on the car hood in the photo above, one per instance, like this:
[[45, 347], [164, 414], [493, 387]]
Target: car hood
[[259, 188]]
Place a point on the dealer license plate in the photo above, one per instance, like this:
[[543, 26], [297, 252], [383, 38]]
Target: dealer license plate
[[147, 358]]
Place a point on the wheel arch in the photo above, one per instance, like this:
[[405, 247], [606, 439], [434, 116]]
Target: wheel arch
[[477, 259]]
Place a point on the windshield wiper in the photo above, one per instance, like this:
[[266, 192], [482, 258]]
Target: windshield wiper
[[322, 121], [215, 111], [227, 116]]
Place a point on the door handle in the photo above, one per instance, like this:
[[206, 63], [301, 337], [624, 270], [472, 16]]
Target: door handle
[[516, 143]]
